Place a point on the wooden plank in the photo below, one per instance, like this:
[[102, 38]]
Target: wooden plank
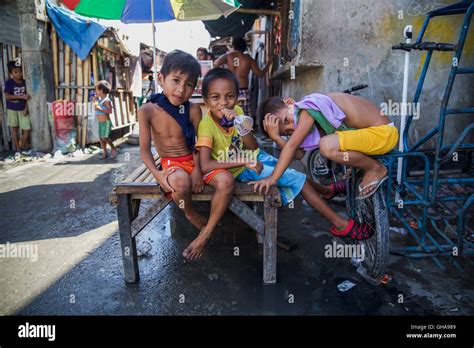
[[247, 215], [149, 178], [270, 241], [241, 189], [54, 40], [127, 242], [118, 111], [129, 112], [67, 71], [198, 197], [140, 222], [123, 109], [113, 114]]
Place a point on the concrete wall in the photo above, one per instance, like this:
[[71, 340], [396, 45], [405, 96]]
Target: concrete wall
[[351, 42]]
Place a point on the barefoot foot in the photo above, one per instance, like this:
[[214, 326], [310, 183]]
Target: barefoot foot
[[372, 176], [195, 249]]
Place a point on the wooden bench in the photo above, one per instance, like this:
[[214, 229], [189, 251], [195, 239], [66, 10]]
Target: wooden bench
[[141, 184]]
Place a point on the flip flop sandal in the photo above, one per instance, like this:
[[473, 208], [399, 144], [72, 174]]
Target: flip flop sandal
[[377, 183], [337, 188], [354, 230]]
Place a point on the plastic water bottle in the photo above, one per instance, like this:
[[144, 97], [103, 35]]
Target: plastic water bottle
[[243, 124]]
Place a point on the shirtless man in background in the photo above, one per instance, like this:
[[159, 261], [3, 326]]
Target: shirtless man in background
[[241, 64]]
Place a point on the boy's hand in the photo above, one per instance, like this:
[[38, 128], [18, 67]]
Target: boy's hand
[[162, 179], [196, 181], [229, 114], [271, 125], [262, 185], [256, 166], [25, 97]]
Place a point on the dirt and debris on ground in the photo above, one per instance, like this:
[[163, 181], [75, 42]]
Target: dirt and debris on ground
[[61, 207]]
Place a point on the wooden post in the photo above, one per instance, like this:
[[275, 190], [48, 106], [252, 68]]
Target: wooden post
[[37, 66], [128, 244], [67, 71], [270, 240]]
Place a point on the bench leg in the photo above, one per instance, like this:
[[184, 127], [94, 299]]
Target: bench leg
[[270, 241], [128, 245]]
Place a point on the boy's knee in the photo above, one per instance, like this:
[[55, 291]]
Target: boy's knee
[[225, 182], [325, 147], [180, 181]]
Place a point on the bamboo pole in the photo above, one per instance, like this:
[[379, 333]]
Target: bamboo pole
[[73, 75], [54, 40], [67, 71], [61, 67], [87, 82], [79, 96], [95, 66]]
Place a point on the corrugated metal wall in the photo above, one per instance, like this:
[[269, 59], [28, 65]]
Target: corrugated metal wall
[[9, 23]]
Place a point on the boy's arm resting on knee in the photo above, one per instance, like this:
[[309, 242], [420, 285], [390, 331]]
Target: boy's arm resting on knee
[[250, 143], [301, 131], [145, 142]]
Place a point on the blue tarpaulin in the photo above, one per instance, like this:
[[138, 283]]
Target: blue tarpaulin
[[79, 33]]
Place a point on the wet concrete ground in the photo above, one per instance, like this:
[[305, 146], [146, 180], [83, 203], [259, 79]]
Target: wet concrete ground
[[63, 209]]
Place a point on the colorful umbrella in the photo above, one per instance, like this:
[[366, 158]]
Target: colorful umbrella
[[136, 11]]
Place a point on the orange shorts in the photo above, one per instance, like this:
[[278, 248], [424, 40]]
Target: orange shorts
[[186, 163]]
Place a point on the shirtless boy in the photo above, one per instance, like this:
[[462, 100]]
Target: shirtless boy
[[323, 121], [172, 122]]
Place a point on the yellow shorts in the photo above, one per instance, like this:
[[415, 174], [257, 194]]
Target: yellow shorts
[[376, 140]]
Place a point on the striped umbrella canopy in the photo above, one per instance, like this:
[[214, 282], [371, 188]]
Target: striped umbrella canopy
[[138, 11]]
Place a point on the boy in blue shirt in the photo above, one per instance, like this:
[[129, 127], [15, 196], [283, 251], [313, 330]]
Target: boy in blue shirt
[[17, 109]]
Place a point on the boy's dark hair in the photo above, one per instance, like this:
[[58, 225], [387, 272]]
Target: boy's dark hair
[[12, 65], [203, 50], [183, 62], [104, 86], [271, 105], [239, 43], [218, 73]]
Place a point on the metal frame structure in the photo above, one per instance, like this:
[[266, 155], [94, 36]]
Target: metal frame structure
[[438, 204]]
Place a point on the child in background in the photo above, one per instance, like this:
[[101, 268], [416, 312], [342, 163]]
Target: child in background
[[17, 108], [103, 108]]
